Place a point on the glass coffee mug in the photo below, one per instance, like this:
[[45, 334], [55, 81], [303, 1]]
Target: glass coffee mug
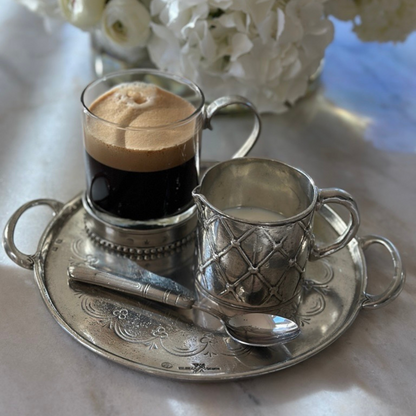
[[142, 137]]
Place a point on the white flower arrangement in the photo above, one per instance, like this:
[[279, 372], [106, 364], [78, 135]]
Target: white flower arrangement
[[266, 50], [376, 20]]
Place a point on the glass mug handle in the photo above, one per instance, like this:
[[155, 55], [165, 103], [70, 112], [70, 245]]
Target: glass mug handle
[[340, 197], [223, 102]]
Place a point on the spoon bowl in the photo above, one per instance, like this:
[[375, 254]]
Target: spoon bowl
[[260, 329]]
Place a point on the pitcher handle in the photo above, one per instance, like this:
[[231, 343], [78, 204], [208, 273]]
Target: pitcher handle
[[340, 197], [223, 102]]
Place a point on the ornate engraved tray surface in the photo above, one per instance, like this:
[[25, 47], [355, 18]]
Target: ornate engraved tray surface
[[163, 341]]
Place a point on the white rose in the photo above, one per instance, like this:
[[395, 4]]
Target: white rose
[[126, 23], [84, 14]]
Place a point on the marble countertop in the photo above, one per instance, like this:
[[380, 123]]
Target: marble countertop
[[356, 132]]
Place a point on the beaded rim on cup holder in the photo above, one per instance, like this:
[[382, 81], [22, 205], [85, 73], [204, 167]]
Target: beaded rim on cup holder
[[140, 244], [142, 253]]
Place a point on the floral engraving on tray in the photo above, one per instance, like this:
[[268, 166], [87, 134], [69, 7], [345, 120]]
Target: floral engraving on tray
[[83, 252], [315, 291], [154, 331]]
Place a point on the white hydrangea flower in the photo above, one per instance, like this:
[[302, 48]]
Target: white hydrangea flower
[[377, 20], [265, 50], [126, 23]]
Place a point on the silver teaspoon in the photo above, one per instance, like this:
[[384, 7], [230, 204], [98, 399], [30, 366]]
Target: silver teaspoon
[[253, 329]]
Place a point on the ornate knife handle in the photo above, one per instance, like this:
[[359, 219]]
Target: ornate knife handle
[[147, 290]]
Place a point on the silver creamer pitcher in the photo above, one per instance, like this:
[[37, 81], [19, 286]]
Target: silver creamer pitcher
[[253, 263]]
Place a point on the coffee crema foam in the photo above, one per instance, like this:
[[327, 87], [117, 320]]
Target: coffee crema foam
[[148, 149]]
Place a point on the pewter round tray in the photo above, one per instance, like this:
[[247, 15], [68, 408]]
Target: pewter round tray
[[162, 341]]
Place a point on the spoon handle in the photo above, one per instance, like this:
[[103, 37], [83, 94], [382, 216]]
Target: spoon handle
[[169, 293]]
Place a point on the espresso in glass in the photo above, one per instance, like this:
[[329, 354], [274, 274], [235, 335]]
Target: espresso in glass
[[140, 148], [142, 135]]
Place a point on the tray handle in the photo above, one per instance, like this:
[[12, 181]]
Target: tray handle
[[24, 260], [399, 276]]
